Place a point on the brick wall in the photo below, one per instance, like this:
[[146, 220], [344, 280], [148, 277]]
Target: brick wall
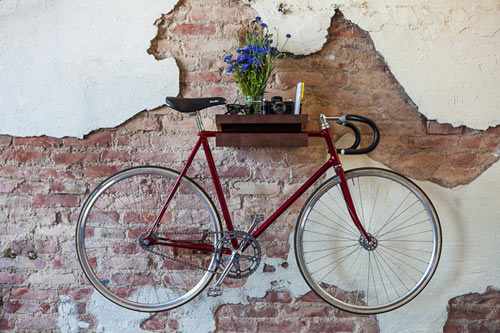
[[43, 180]]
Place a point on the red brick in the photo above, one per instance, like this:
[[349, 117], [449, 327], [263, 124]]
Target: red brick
[[25, 293], [57, 200], [332, 327], [310, 297], [476, 312], [9, 172], [40, 141], [94, 139], [24, 156], [282, 326], [193, 29], [7, 186], [143, 124], [453, 327], [434, 127], [275, 296], [247, 311], [202, 76], [11, 277], [153, 325], [101, 171], [113, 156], [26, 308], [5, 140], [7, 324], [236, 325], [75, 158], [38, 323]]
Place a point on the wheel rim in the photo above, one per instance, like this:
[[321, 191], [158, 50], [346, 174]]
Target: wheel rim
[[342, 268], [129, 273]]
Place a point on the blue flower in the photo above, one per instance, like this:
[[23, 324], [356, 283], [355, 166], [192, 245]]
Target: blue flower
[[263, 25], [288, 35], [245, 66], [228, 58], [230, 69], [257, 19]]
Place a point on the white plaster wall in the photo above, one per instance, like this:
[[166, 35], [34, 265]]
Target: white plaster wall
[[444, 53], [69, 67]]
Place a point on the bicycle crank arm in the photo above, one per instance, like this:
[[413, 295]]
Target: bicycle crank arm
[[216, 289]]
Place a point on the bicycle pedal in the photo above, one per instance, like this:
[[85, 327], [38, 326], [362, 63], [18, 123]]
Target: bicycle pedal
[[214, 292], [257, 218]]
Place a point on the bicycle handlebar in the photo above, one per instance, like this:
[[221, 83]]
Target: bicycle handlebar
[[353, 150]]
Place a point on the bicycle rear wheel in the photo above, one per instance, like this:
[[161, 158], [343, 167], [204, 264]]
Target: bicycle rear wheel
[[140, 278], [344, 269]]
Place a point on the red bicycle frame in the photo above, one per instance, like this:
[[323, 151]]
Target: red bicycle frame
[[333, 162]]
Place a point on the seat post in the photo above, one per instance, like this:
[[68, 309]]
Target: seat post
[[199, 123]]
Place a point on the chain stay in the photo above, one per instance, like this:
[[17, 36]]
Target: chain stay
[[165, 256]]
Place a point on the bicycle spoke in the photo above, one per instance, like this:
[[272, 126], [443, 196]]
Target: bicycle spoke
[[409, 226], [336, 237], [394, 212], [348, 232], [406, 255], [340, 225]]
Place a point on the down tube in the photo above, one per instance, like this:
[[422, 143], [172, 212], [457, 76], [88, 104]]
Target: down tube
[[294, 197]]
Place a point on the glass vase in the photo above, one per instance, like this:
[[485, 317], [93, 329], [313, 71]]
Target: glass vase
[[254, 104]]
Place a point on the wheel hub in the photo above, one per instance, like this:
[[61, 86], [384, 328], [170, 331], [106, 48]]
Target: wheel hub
[[143, 242], [368, 246]]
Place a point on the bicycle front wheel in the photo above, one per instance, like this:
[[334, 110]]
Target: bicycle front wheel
[[347, 271], [138, 277]]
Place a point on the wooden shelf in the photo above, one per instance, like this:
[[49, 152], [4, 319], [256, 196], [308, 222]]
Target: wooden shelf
[[261, 130]]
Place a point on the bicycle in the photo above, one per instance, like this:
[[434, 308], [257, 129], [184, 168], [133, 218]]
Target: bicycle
[[366, 241]]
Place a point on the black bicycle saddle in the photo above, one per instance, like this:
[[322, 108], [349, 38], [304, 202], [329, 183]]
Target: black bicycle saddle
[[193, 104]]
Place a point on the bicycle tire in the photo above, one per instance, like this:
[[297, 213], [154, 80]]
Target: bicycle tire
[[118, 212], [342, 268]]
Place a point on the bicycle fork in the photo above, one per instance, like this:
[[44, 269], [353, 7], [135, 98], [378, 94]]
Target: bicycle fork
[[337, 166]]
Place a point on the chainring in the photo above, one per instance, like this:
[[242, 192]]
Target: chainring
[[248, 259]]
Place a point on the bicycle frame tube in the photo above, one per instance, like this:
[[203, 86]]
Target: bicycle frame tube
[[333, 161]]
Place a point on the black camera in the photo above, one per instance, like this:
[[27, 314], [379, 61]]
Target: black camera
[[277, 106]]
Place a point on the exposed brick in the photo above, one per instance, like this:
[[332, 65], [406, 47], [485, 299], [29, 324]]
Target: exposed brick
[[24, 156], [142, 123], [240, 325], [25, 293], [6, 277], [7, 324], [76, 157], [434, 127], [202, 76], [41, 141], [153, 324], [101, 171], [332, 327], [95, 139], [275, 296], [57, 200], [38, 323], [282, 326], [5, 140], [193, 29]]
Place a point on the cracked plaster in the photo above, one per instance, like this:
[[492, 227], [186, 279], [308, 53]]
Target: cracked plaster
[[445, 54], [72, 67]]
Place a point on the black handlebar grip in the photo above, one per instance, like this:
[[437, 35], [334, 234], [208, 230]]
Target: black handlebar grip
[[376, 136]]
